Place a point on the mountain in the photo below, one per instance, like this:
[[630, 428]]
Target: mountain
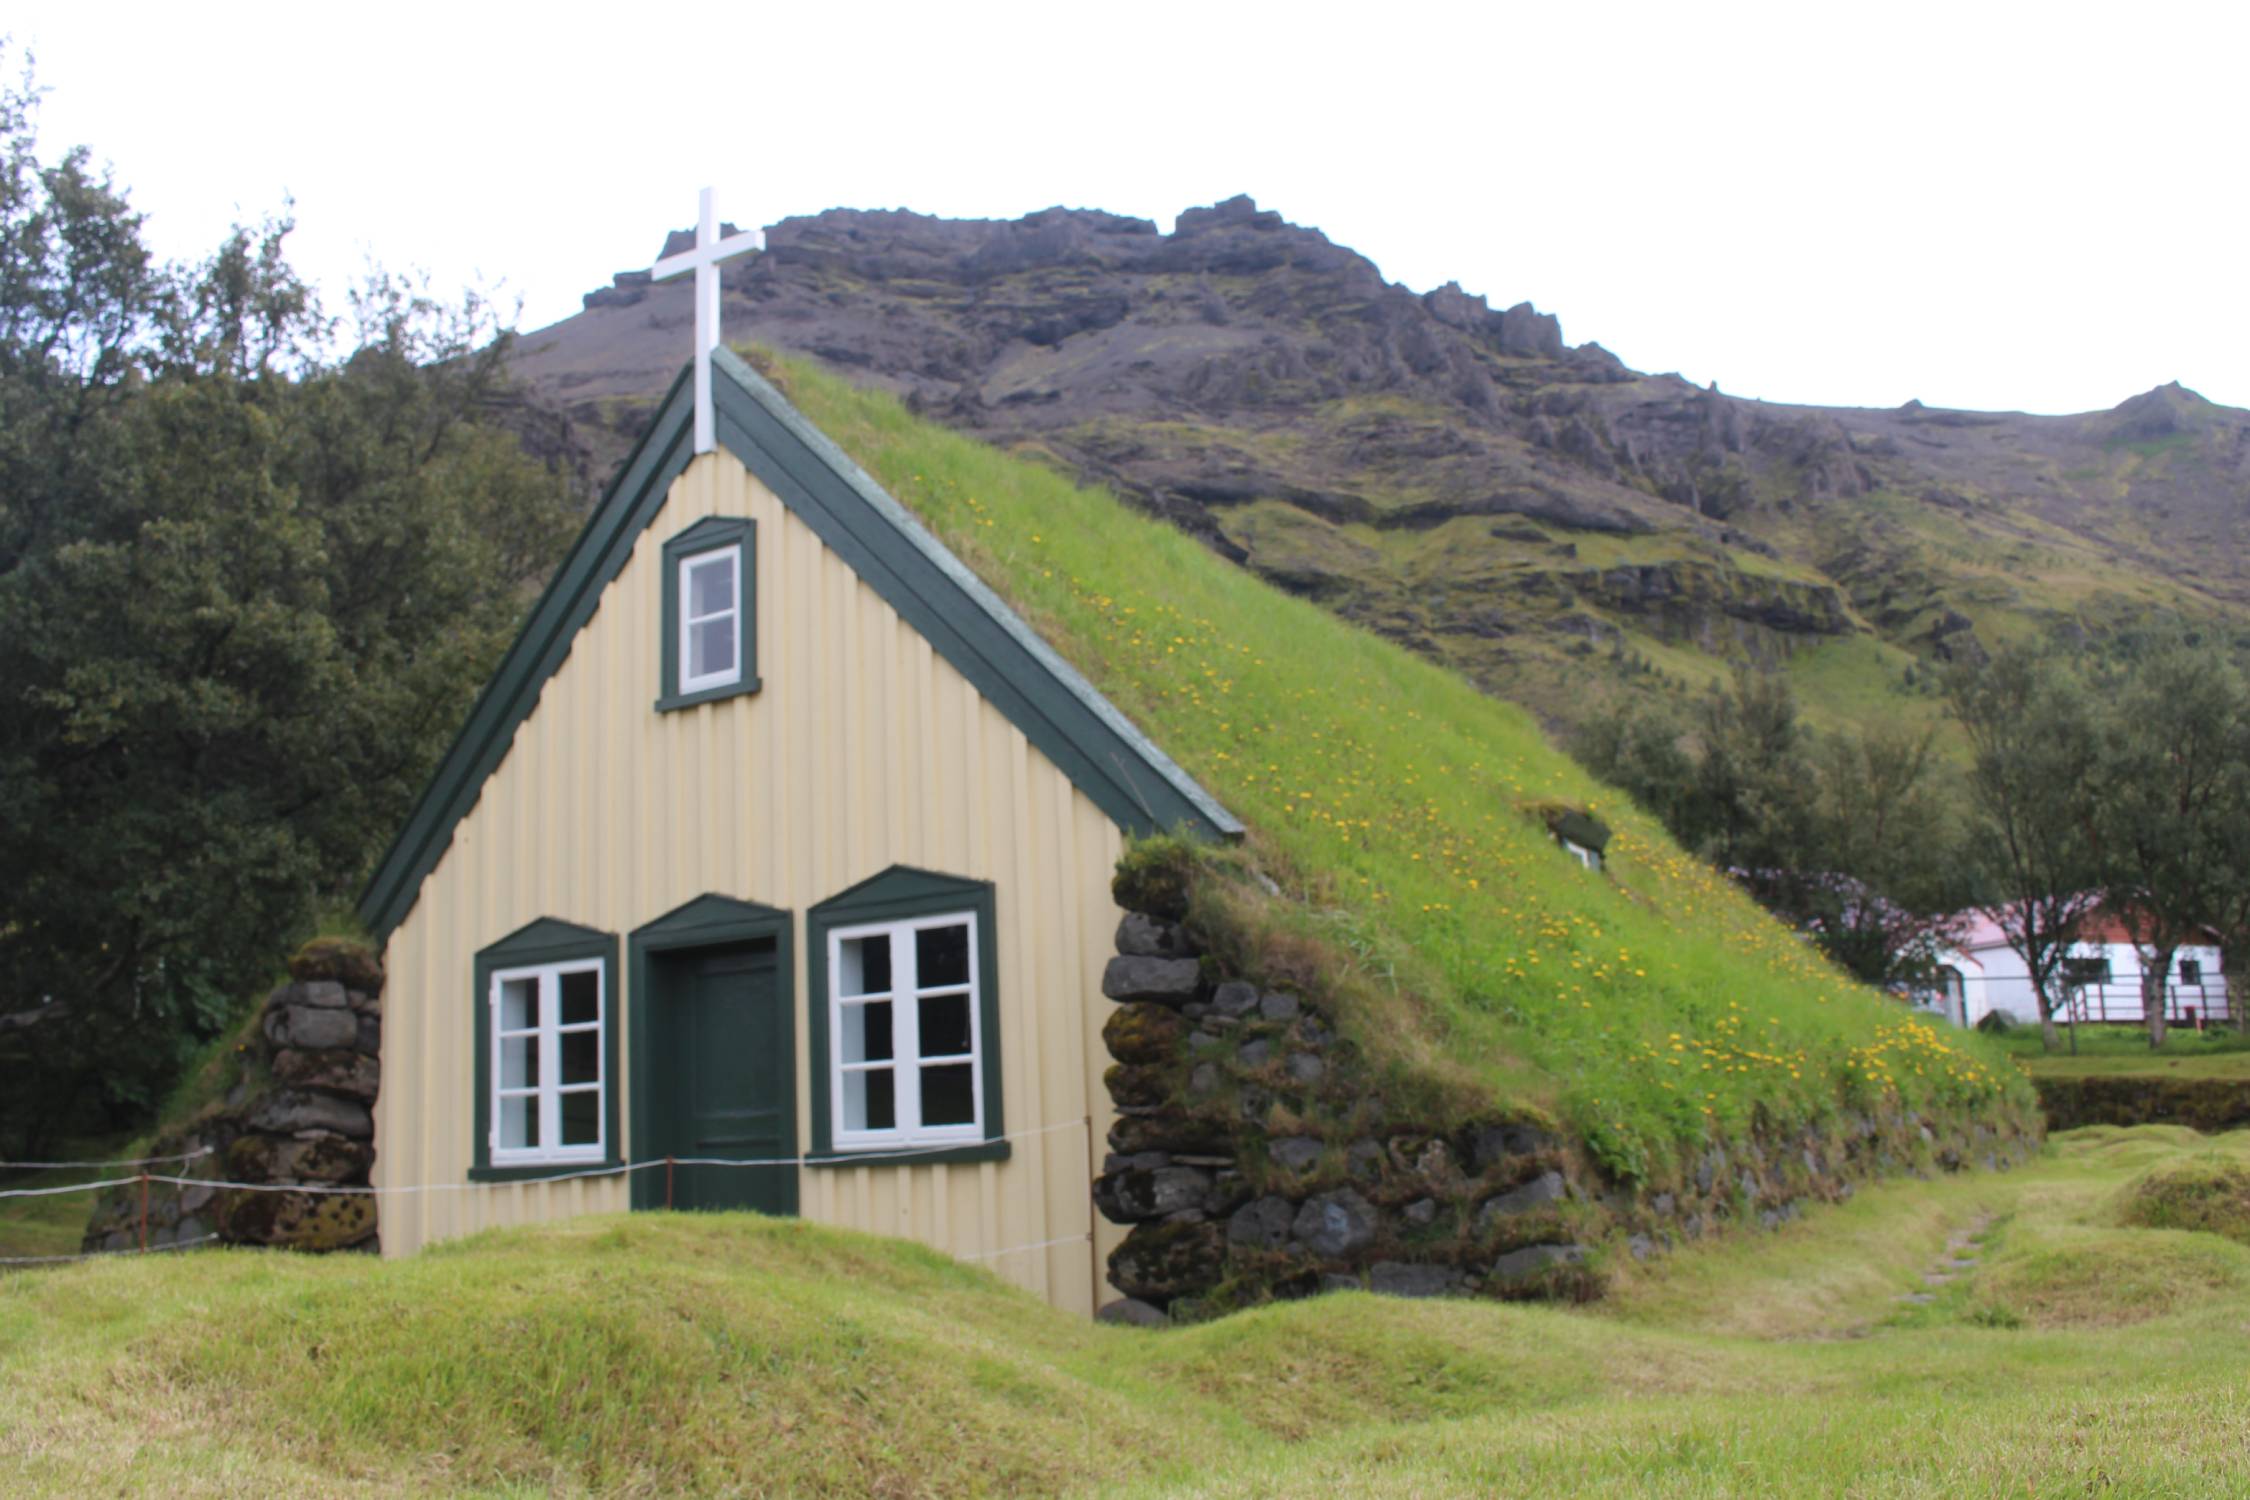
[[1554, 525]]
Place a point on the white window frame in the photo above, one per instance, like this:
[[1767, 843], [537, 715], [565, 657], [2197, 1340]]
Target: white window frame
[[549, 1031], [689, 683], [906, 1061]]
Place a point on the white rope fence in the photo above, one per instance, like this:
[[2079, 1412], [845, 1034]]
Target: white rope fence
[[60, 1260], [130, 1161], [900, 1156]]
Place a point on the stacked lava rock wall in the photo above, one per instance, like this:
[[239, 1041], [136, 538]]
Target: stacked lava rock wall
[[297, 1123], [1256, 1155]]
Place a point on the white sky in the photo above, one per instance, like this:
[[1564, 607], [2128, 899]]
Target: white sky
[[2018, 206]]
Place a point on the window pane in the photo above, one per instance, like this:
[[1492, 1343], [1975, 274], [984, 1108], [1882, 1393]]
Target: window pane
[[710, 586], [519, 1003], [948, 1095], [581, 997], [581, 1057], [870, 1100], [519, 1062], [945, 1025], [711, 647], [519, 1122], [941, 956], [581, 1118], [867, 1032], [865, 968]]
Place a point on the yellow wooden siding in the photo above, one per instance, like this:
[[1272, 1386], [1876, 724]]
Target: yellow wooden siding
[[864, 749]]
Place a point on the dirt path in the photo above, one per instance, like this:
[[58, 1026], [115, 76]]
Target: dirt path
[[1957, 1262]]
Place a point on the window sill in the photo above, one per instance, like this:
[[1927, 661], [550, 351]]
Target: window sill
[[915, 1156], [671, 701], [530, 1172]]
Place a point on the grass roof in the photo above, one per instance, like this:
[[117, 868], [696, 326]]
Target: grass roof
[[1649, 1006]]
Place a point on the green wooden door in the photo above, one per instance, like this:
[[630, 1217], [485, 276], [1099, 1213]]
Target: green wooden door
[[724, 1069]]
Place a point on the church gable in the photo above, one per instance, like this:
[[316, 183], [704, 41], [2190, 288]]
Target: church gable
[[1133, 783]]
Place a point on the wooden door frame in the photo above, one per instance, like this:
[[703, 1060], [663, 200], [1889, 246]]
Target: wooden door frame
[[709, 921]]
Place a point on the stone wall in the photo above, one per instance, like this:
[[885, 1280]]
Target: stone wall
[[1257, 1156], [298, 1113]]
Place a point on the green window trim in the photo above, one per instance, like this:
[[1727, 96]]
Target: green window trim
[[708, 921], [545, 940], [903, 893], [711, 534]]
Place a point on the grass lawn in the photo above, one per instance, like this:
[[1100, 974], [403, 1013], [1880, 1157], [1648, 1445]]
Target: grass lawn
[[54, 1224], [656, 1354], [50, 1225], [2124, 1051]]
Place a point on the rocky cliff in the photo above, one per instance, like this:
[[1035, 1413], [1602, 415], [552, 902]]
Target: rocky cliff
[[1454, 474]]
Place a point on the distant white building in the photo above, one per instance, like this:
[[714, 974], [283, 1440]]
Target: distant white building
[[1982, 974]]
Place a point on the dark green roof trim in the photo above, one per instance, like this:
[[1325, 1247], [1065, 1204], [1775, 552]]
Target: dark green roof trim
[[1136, 784], [564, 607], [1140, 787]]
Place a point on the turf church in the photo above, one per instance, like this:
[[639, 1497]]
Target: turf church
[[777, 837]]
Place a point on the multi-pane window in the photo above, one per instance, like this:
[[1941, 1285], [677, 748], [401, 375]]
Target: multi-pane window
[[903, 1013], [710, 619], [547, 1079], [2191, 971]]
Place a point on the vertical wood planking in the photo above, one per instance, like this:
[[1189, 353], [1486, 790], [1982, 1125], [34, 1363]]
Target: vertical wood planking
[[863, 749]]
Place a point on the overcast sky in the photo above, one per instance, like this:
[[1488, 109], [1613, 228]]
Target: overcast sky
[[1982, 206]]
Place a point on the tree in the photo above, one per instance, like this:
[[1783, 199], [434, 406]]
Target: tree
[[1749, 807], [2230, 916], [1886, 827], [2033, 737], [246, 591], [1856, 841], [2168, 775]]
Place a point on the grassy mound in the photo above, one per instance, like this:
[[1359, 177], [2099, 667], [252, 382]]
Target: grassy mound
[[2208, 1192], [1648, 1006], [662, 1354], [2098, 1280]]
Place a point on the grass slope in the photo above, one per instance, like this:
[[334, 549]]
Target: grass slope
[[659, 1354], [1647, 1008]]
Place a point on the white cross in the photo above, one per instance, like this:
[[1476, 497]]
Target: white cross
[[704, 261]]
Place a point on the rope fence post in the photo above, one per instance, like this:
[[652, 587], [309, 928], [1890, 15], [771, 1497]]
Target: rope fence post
[[667, 1184], [144, 1210]]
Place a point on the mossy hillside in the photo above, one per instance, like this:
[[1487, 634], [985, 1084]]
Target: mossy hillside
[[1655, 1005], [727, 1354]]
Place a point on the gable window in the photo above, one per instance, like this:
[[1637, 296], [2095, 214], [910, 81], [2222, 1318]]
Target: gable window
[[710, 613], [905, 1015], [545, 1052], [711, 620], [2191, 971]]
